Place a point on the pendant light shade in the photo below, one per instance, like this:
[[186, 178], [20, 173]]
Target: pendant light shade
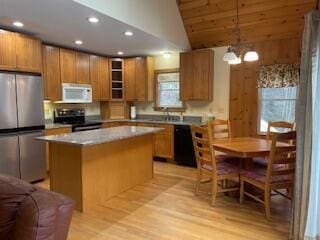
[[251, 56], [230, 55], [235, 62]]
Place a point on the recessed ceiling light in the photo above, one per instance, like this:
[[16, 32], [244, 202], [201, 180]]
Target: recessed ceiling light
[[17, 24], [120, 53], [128, 33], [167, 55], [78, 42], [93, 19]]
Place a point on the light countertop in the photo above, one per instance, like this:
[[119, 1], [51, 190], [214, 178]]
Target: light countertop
[[99, 136]]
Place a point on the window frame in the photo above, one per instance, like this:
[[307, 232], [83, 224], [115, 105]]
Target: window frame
[[156, 92], [260, 108]]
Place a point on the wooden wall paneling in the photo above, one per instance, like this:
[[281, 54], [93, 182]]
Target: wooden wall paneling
[[67, 66], [28, 53], [104, 78], [243, 92], [82, 68], [141, 86], [51, 70], [211, 23], [7, 50], [94, 77], [130, 79]]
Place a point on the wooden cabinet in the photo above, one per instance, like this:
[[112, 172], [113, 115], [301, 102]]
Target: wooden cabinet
[[7, 50], [104, 79], [51, 70], [20, 52], [130, 79], [67, 66], [29, 53], [196, 75], [116, 78], [164, 142], [94, 77], [82, 68], [139, 77]]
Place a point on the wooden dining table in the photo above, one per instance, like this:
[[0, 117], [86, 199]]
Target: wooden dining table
[[245, 148]]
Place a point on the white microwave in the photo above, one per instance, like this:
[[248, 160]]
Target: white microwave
[[76, 93]]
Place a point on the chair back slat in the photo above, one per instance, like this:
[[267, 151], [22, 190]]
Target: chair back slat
[[202, 143], [279, 124], [285, 160], [285, 156], [220, 128], [283, 172]]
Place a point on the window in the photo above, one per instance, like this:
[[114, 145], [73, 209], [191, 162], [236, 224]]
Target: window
[[168, 89], [276, 104]]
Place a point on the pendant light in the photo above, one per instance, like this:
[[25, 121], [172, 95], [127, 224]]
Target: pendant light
[[230, 55], [251, 56], [233, 54]]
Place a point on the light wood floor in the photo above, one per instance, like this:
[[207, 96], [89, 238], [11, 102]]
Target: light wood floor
[[166, 208]]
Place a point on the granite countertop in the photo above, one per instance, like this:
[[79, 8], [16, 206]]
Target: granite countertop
[[56, 125], [99, 136]]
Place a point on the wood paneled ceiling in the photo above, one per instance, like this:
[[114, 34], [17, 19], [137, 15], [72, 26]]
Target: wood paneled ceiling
[[211, 23]]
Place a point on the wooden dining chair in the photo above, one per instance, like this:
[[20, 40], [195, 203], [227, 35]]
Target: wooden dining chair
[[219, 172], [278, 175], [282, 125], [221, 129]]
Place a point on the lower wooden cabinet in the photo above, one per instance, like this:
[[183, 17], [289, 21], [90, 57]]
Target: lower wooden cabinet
[[163, 141], [54, 131]]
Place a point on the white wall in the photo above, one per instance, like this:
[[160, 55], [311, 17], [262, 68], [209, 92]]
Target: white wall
[[219, 107], [161, 19]]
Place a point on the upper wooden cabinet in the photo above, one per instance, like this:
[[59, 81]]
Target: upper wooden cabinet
[[82, 68], [130, 79], [94, 77], [196, 75], [7, 50], [20, 52], [29, 53], [67, 66], [104, 78], [139, 77], [51, 70]]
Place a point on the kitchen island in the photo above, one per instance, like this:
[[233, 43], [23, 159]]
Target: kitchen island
[[92, 166]]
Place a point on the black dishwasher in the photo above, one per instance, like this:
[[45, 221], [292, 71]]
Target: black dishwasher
[[183, 146]]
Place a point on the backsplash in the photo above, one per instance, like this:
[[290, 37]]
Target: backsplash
[[92, 109]]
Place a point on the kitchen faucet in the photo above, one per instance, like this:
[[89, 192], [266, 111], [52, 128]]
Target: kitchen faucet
[[166, 114]]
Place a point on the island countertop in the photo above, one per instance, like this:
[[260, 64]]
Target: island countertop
[[99, 136]]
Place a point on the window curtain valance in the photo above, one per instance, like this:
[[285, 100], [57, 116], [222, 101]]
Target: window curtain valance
[[278, 75]]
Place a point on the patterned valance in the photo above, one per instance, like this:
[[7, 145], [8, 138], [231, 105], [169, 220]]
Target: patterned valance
[[278, 75]]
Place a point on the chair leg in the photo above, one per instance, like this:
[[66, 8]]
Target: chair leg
[[198, 182], [214, 192], [241, 191], [267, 199]]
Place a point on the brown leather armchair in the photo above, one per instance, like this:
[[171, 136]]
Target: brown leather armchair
[[29, 212]]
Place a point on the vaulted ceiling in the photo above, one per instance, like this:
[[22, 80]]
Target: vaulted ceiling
[[211, 23]]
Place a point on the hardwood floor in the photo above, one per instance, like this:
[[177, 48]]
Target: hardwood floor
[[166, 208]]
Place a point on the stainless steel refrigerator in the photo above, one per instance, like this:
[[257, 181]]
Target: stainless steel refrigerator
[[21, 121]]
